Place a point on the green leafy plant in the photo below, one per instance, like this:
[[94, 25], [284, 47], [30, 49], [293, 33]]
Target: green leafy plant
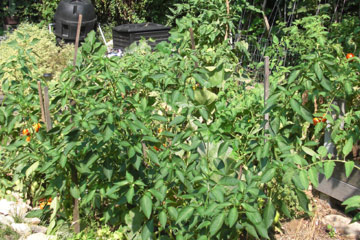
[[170, 143]]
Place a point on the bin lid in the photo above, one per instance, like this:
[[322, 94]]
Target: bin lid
[[140, 27]]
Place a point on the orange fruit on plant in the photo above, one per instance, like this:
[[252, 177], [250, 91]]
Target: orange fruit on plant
[[26, 132], [37, 127], [349, 55], [28, 138], [316, 121]]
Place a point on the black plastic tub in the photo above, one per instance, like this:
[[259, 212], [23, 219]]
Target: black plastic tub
[[126, 34]]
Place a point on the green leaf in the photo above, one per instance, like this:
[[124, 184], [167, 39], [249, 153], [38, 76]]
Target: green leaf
[[295, 105], [185, 214], [157, 194], [109, 131], [147, 230], [177, 120], [352, 201], [153, 157], [254, 217], [74, 191], [162, 219], [348, 146], [146, 205], [228, 181], [204, 113], [326, 84], [32, 168], [313, 175], [129, 195], [349, 166], [218, 194], [216, 224], [173, 212], [285, 210], [268, 175], [262, 230], [318, 71], [269, 214], [329, 169], [303, 176], [233, 216], [293, 76], [251, 230], [108, 171], [309, 151], [205, 97], [34, 214], [303, 200], [348, 87]]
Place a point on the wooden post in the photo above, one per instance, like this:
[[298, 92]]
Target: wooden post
[[41, 100], [193, 43], [266, 92], [46, 109], [77, 38], [74, 175]]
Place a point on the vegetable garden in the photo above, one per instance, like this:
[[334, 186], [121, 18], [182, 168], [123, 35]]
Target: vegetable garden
[[171, 142]]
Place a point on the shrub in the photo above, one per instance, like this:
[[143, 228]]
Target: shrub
[[38, 44]]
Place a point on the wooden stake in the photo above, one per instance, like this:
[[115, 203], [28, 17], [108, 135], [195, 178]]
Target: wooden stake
[[228, 13], [46, 109], [41, 100], [193, 43], [74, 176], [77, 38], [266, 91]]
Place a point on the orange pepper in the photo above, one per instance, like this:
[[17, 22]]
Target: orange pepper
[[26, 132], [316, 121], [37, 127]]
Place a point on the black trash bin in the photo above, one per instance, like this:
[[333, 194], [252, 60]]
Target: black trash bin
[[66, 19]]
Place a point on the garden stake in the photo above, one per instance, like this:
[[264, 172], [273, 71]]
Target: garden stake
[[41, 100], [77, 38], [266, 93], [46, 109], [74, 177], [227, 25], [193, 43]]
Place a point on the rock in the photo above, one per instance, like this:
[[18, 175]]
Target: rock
[[38, 236], [6, 220], [38, 229], [342, 224], [19, 210], [6, 206], [21, 228], [34, 221]]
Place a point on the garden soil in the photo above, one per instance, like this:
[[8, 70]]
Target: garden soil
[[313, 228]]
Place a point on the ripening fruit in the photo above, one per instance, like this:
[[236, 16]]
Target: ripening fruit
[[349, 55], [26, 132], [28, 138], [316, 121], [37, 127]]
